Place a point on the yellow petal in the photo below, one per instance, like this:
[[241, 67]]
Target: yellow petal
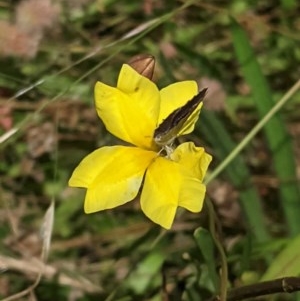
[[192, 194], [112, 176], [193, 158], [167, 185], [175, 96], [159, 198], [129, 111]]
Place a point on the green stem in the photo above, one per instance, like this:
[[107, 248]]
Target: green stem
[[214, 233], [253, 132]]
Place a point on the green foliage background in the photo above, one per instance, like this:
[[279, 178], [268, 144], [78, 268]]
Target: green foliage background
[[52, 53]]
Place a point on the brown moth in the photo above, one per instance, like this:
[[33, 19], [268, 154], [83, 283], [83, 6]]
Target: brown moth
[[167, 131]]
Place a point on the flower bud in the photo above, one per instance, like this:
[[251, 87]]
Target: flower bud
[[144, 64]]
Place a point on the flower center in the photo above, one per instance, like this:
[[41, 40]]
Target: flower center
[[166, 151]]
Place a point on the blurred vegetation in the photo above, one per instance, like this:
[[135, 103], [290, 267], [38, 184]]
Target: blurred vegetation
[[51, 54]]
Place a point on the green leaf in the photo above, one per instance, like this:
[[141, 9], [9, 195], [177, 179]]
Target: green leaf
[[206, 245], [146, 273], [287, 262]]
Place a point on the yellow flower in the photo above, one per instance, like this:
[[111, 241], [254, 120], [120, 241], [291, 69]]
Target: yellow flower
[[115, 175]]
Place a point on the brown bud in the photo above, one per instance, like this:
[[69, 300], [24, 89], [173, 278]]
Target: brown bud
[[144, 64]]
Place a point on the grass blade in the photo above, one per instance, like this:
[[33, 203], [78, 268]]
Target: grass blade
[[275, 130], [237, 172]]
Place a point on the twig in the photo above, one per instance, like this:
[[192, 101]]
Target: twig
[[34, 266], [281, 285], [24, 292]]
